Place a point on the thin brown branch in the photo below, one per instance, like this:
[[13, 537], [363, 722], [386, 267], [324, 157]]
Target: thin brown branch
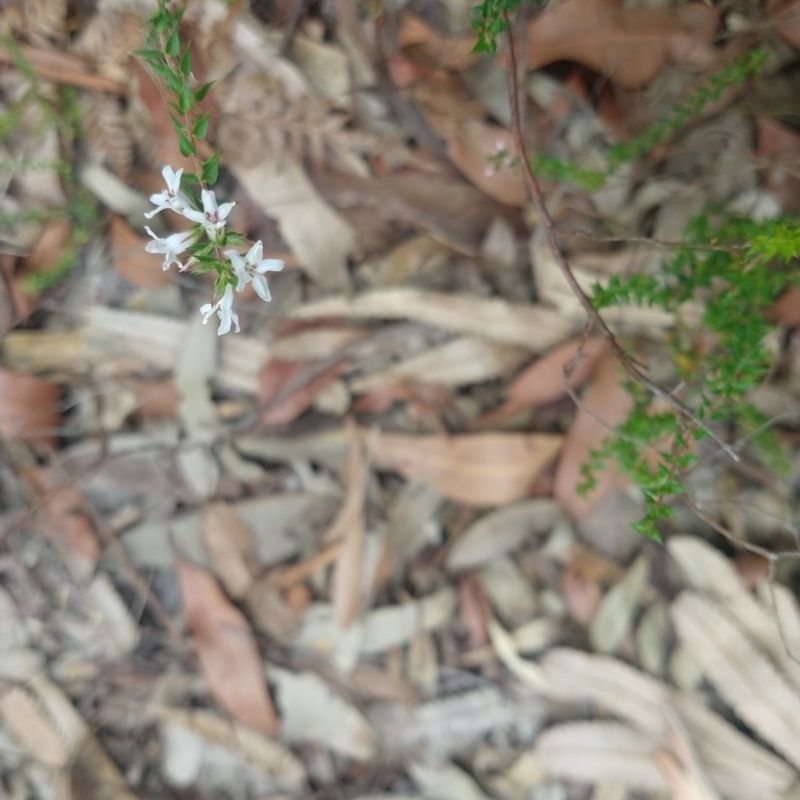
[[654, 242], [552, 240]]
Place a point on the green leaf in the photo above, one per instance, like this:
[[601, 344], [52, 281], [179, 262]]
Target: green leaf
[[173, 46], [185, 98], [186, 62], [151, 57], [200, 93], [211, 169], [159, 20], [200, 129], [173, 82], [188, 178], [236, 239], [176, 123], [185, 144]]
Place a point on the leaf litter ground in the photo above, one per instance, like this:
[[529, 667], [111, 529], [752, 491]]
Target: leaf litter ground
[[341, 554]]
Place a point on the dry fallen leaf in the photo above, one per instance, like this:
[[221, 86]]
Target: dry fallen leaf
[[306, 378], [65, 521], [615, 612], [228, 541], [459, 362], [501, 532], [439, 51], [311, 712], [228, 655], [535, 328], [348, 527], [132, 261], [479, 469], [741, 674], [471, 149], [593, 752], [29, 408], [604, 405], [629, 45]]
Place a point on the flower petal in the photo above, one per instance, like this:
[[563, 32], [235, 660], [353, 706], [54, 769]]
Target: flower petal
[[262, 290]]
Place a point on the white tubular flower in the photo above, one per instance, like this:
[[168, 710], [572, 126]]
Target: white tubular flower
[[171, 246], [224, 309], [172, 197], [251, 269], [212, 217]]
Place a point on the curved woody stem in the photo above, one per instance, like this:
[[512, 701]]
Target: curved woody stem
[[552, 240]]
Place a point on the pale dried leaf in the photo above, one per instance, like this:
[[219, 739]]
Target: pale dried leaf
[[459, 362], [228, 541], [653, 639], [612, 685], [480, 469], [227, 652], [315, 233], [707, 570], [502, 531], [32, 728], [120, 633], [615, 613], [527, 671], [452, 725], [275, 760], [422, 662], [594, 752], [508, 590], [311, 712], [742, 676], [535, 328], [348, 527], [446, 782], [317, 344]]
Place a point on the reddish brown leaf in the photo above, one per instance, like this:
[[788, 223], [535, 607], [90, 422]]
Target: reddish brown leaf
[[471, 148], [479, 469], [474, 610], [433, 48], [47, 251], [543, 381], [230, 546], [132, 261], [629, 45], [605, 404], [348, 526], [65, 520], [228, 655], [303, 380], [29, 408], [581, 594]]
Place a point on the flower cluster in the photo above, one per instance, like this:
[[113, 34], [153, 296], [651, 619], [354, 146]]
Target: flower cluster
[[232, 267]]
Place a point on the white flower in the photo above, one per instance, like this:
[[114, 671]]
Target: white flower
[[172, 197], [171, 246], [212, 217], [251, 269], [224, 309]]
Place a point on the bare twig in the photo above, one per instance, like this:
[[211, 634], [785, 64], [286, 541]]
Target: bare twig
[[552, 240], [728, 248]]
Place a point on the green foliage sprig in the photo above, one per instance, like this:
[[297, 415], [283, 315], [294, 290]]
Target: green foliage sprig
[[188, 193], [58, 110], [737, 281]]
